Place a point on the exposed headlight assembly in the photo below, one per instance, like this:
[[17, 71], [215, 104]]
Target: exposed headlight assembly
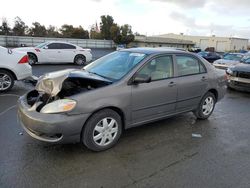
[[62, 105], [229, 71]]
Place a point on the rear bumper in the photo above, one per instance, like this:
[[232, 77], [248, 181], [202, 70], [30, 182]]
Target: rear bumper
[[23, 71], [54, 128]]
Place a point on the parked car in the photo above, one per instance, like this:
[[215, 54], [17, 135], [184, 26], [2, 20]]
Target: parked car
[[229, 59], [121, 90], [210, 56], [57, 52], [239, 75], [13, 66]]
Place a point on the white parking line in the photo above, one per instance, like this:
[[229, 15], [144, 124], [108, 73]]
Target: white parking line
[[2, 113], [7, 95]]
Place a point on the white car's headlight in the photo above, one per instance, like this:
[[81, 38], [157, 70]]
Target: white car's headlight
[[63, 105]]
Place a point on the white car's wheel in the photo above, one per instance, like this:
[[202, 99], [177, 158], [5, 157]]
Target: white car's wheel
[[80, 60], [102, 131], [32, 59], [6, 80]]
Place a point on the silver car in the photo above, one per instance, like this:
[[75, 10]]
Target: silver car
[[121, 90]]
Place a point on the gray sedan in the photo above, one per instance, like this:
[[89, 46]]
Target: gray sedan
[[124, 89]]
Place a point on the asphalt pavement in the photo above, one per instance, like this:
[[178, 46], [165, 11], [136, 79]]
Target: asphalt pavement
[[160, 154]]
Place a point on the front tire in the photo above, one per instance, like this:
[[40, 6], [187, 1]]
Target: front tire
[[80, 60], [102, 130], [206, 106], [6, 80]]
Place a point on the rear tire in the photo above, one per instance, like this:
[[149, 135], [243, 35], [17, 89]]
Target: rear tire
[[32, 59], [206, 106], [6, 80], [102, 130], [80, 60]]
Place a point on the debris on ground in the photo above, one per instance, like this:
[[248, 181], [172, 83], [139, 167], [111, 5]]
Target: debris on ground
[[196, 135]]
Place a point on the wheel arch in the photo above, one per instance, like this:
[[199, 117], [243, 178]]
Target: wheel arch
[[116, 109], [215, 92], [34, 55]]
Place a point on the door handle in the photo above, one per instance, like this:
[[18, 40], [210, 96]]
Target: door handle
[[171, 84], [203, 78]]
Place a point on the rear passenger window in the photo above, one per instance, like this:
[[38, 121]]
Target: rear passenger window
[[67, 46], [188, 65]]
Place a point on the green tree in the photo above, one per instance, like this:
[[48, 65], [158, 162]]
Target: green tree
[[4, 28], [79, 32], [123, 34], [37, 30], [95, 33], [67, 30], [52, 32], [19, 28], [105, 26]]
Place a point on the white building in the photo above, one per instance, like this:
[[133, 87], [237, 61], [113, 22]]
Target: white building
[[220, 44], [144, 41]]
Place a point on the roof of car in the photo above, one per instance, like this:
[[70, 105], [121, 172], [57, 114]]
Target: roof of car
[[154, 50]]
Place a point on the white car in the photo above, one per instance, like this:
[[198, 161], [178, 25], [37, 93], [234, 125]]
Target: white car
[[13, 66], [57, 52]]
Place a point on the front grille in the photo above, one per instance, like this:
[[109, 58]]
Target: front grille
[[243, 75], [242, 84]]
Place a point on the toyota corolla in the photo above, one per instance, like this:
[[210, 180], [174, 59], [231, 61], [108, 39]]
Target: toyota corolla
[[121, 90]]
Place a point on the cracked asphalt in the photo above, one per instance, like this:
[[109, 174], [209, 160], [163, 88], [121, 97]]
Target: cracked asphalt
[[160, 154]]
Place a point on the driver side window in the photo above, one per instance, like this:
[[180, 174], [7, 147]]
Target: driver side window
[[158, 68]]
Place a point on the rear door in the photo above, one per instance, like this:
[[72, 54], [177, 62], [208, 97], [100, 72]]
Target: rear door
[[158, 97], [192, 82], [67, 52]]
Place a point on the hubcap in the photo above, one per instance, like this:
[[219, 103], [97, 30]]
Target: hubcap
[[79, 61], [208, 106], [5, 82], [105, 131]]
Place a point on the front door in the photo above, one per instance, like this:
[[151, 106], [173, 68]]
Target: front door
[[158, 97]]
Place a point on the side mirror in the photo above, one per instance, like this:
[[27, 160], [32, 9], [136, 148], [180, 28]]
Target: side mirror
[[138, 79], [45, 47]]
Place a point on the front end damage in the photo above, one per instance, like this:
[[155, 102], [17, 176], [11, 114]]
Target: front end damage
[[61, 85], [43, 112]]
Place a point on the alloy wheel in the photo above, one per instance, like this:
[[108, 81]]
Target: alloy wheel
[[5, 81]]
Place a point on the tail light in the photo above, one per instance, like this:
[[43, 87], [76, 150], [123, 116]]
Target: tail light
[[25, 59]]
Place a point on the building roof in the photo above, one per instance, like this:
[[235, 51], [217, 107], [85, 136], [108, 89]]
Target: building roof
[[161, 40]]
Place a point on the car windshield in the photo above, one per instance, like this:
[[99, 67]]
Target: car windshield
[[115, 65], [42, 45], [234, 57]]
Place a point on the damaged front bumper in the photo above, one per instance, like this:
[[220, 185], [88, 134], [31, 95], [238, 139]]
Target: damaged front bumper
[[241, 84], [53, 128]]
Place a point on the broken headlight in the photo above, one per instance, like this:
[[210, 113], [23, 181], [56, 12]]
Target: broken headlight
[[63, 105]]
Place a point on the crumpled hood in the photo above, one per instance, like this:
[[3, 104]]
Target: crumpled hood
[[226, 62], [51, 83]]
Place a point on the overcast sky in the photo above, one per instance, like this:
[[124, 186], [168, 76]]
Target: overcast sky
[[151, 17]]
